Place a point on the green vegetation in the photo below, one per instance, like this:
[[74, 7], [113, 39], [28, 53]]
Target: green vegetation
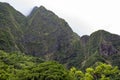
[[100, 71], [49, 71], [18, 66], [11, 23], [102, 46], [45, 35]]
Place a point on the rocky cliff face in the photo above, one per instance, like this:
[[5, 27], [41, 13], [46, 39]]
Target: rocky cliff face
[[107, 49], [44, 34]]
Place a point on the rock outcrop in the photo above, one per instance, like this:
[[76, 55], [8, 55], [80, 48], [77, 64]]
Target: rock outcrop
[[107, 49]]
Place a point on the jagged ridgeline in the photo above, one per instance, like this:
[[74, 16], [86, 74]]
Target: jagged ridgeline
[[45, 35], [42, 34]]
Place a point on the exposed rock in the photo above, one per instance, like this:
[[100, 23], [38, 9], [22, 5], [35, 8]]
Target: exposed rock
[[107, 49]]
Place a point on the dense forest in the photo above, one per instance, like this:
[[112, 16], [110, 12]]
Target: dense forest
[[42, 46], [18, 66]]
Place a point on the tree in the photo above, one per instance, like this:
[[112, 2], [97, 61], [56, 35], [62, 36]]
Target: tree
[[50, 71], [100, 71]]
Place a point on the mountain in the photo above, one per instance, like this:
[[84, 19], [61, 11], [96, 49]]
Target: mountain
[[102, 46], [11, 23], [45, 35], [50, 36]]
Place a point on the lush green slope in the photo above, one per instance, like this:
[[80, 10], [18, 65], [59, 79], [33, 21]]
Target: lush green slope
[[11, 23], [49, 37], [102, 46], [18, 66], [41, 34]]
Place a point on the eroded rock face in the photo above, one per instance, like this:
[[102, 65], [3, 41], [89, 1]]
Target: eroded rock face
[[107, 49]]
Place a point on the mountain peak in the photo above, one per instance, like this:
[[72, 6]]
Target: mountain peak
[[42, 8], [99, 31], [35, 8], [39, 10], [44, 34], [4, 3]]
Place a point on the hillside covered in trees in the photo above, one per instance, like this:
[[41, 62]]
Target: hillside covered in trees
[[18, 66], [42, 46]]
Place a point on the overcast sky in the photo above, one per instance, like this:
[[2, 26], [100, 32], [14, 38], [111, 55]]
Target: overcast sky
[[83, 16]]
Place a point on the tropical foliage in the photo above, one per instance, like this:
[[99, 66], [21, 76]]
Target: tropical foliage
[[18, 66], [100, 71]]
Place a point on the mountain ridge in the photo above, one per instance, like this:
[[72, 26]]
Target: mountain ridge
[[45, 35]]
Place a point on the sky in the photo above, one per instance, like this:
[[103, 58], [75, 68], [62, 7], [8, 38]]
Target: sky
[[83, 16]]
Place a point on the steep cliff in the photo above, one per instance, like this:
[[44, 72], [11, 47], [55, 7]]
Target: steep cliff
[[45, 35]]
